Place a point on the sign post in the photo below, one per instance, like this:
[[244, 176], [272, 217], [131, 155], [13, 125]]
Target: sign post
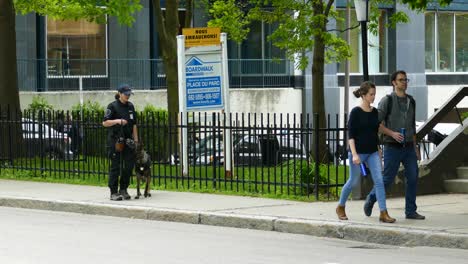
[[203, 80]]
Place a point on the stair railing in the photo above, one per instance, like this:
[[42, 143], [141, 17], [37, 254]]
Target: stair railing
[[430, 123]]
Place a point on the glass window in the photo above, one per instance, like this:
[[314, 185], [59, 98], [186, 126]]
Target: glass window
[[461, 42], [429, 42], [76, 47], [257, 55], [355, 41], [377, 44], [252, 46], [272, 54], [445, 42]]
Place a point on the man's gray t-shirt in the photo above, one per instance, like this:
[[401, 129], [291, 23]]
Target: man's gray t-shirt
[[401, 115]]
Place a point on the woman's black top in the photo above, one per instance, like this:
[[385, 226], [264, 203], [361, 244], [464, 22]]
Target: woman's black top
[[363, 128]]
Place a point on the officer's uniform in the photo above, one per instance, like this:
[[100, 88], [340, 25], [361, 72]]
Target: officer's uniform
[[118, 110]]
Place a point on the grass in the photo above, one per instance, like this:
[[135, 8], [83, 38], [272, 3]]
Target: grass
[[285, 181]]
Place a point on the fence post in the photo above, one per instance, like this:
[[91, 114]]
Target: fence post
[[213, 163], [317, 169], [41, 138]]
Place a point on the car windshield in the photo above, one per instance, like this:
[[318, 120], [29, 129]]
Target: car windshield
[[205, 144]]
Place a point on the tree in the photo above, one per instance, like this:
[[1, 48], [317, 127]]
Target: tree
[[59, 9], [302, 27], [168, 26]]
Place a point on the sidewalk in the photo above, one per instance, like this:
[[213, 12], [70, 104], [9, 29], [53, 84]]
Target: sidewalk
[[446, 223]]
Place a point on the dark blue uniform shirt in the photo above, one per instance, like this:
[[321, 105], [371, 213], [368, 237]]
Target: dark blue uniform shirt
[[117, 110]]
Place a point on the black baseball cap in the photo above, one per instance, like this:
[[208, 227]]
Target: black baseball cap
[[125, 89]]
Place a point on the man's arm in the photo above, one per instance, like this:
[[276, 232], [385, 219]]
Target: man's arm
[[395, 135], [383, 112]]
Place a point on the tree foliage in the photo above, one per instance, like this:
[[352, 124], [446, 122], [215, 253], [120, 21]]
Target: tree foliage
[[294, 18], [91, 10], [423, 4], [302, 26]]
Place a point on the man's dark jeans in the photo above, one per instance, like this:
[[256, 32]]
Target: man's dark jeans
[[392, 157]]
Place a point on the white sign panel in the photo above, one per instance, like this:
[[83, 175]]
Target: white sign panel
[[203, 81]]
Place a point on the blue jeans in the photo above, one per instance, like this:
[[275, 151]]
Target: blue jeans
[[375, 166], [393, 156]]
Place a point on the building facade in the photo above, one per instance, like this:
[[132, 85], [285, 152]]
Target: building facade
[[57, 56]]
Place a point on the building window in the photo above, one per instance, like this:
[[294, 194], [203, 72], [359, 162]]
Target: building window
[[445, 41], [461, 42], [256, 54], [76, 48], [377, 44]]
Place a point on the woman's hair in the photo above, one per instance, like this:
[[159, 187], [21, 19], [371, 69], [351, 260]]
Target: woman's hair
[[363, 89], [117, 96]]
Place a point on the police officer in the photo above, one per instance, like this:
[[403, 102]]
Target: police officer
[[120, 119]]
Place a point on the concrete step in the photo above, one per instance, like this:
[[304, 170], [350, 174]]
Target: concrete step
[[462, 172], [456, 186]]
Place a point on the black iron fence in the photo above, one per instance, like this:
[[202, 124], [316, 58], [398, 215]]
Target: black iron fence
[[268, 153]]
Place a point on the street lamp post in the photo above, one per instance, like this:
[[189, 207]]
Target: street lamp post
[[362, 14]]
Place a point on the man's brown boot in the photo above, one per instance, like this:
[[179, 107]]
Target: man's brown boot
[[340, 211], [384, 217]]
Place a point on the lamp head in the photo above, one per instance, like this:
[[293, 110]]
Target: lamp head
[[362, 10]]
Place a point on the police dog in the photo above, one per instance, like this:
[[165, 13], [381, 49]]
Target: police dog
[[143, 170]]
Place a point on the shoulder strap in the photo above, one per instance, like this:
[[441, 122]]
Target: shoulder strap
[[389, 107], [413, 102]]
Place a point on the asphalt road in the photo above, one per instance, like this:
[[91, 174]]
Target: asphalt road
[[35, 237]]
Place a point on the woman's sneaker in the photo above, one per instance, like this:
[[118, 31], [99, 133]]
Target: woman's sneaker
[[116, 197]]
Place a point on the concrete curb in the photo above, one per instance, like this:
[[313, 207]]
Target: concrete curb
[[381, 234]]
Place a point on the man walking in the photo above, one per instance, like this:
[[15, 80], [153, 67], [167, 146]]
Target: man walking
[[397, 114]]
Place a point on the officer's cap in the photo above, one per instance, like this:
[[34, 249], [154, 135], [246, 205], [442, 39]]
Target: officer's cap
[[125, 89]]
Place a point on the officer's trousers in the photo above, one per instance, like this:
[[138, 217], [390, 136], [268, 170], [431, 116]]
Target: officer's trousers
[[127, 162]]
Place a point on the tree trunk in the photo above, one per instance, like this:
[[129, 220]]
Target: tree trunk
[[8, 74], [10, 132], [318, 89], [168, 28]]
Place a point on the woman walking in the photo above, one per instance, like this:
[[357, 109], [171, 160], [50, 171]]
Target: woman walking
[[363, 126]]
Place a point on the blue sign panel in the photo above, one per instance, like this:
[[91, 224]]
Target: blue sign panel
[[203, 82]]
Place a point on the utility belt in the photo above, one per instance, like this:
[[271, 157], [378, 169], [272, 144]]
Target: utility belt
[[122, 143], [399, 145]]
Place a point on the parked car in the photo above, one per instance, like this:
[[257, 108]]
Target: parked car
[[41, 139], [248, 149], [268, 149]]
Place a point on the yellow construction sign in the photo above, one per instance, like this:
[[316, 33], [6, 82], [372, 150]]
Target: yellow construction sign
[[201, 36]]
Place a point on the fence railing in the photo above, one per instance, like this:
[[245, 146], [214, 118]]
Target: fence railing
[[270, 153], [149, 74]]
